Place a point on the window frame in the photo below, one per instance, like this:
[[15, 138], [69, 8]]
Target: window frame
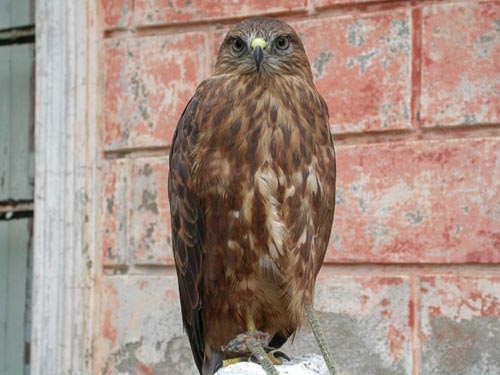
[[65, 198]]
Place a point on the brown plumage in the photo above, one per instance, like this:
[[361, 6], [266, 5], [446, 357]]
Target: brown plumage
[[252, 191]]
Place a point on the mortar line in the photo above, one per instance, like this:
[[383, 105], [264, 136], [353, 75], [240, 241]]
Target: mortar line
[[181, 27], [409, 269], [423, 134], [416, 67], [294, 15], [434, 134], [415, 324], [361, 269], [139, 270]]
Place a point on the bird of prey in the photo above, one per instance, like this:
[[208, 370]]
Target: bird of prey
[[252, 193]]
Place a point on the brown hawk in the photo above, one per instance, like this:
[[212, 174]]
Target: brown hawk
[[252, 192]]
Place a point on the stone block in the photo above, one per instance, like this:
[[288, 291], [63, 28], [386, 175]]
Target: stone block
[[366, 320], [460, 325], [460, 81], [140, 328], [418, 202], [148, 82], [362, 67], [162, 12]]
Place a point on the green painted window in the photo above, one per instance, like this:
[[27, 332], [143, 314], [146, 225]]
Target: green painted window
[[16, 185]]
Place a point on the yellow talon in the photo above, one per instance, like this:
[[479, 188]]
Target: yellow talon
[[233, 361], [274, 360]]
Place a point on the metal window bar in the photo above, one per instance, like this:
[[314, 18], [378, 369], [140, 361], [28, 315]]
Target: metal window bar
[[17, 35], [15, 209]]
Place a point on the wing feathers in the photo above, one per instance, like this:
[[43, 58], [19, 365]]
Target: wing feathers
[[187, 233]]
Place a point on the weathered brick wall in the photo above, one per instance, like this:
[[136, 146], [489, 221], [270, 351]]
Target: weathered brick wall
[[411, 283]]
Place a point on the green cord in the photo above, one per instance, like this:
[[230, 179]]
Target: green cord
[[321, 340], [259, 353]]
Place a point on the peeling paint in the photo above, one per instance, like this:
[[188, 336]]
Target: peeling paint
[[319, 62], [415, 218], [364, 61], [116, 13], [356, 33], [109, 204], [114, 248], [149, 201], [150, 220]]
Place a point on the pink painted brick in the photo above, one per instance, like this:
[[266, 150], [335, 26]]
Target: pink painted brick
[[148, 82], [362, 68], [460, 64], [330, 3], [116, 13], [114, 221], [139, 328], [158, 12], [422, 201], [150, 230], [460, 325], [362, 314]]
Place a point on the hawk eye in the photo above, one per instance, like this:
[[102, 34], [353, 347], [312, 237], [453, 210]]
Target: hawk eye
[[237, 45], [282, 42]]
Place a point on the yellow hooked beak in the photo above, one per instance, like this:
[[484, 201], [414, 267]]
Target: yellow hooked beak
[[258, 45]]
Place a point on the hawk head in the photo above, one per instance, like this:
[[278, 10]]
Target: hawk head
[[263, 46]]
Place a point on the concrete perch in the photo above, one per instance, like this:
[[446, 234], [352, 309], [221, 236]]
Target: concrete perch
[[307, 364]]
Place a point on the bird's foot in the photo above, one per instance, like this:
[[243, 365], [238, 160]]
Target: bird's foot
[[251, 346], [241, 344], [273, 357]]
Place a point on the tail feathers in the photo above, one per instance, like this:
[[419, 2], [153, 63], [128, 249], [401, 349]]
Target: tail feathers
[[212, 361]]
